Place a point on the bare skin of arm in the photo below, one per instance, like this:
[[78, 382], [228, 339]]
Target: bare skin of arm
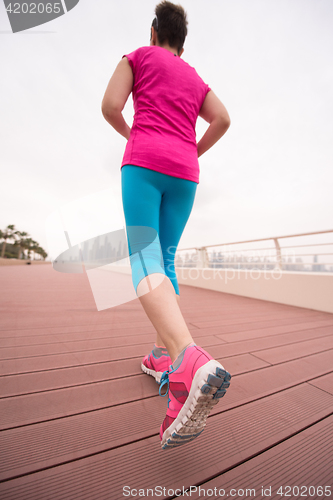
[[213, 112], [116, 95]]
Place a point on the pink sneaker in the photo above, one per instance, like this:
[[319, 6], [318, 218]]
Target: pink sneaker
[[155, 363], [194, 386]]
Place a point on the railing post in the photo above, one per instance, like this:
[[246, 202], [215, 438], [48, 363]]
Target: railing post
[[203, 257], [278, 254]]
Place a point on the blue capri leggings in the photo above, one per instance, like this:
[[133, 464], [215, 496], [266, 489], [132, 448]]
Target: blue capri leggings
[[156, 208]]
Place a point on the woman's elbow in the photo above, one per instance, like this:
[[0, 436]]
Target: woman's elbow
[[224, 121], [109, 109], [228, 122], [104, 109]]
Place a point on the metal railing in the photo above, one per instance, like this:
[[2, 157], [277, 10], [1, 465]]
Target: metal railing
[[267, 258]]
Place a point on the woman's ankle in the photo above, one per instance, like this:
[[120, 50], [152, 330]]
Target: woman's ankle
[[176, 353]]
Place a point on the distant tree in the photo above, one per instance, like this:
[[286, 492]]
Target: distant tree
[[34, 248], [8, 234], [29, 244], [22, 242], [40, 251]]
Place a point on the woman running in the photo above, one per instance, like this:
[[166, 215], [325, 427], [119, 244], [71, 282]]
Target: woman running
[[159, 176]]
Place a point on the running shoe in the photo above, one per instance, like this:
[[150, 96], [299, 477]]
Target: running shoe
[[156, 363], [195, 384]]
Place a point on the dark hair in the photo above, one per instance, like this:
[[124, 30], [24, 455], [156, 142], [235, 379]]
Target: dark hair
[[171, 24]]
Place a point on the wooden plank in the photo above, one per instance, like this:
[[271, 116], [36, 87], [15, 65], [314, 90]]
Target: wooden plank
[[262, 383], [304, 461], [74, 347], [91, 344], [27, 351], [252, 323], [325, 383], [256, 344], [76, 332], [23, 410], [39, 363], [294, 351], [230, 438], [59, 403], [46, 444], [12, 338], [10, 367], [29, 383], [265, 332]]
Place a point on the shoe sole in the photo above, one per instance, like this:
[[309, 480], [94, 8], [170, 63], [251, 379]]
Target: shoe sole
[[208, 387], [157, 375]]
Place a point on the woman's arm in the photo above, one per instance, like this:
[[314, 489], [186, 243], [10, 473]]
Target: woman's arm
[[214, 112], [115, 97]]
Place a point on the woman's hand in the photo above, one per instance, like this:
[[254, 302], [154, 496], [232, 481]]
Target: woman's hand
[[116, 120], [215, 113]]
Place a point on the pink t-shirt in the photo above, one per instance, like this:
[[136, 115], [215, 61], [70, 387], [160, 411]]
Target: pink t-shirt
[[167, 95]]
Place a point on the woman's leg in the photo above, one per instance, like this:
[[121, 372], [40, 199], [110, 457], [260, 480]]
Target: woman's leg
[[148, 201], [161, 307], [159, 341], [176, 206]]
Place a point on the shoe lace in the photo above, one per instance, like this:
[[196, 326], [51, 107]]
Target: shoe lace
[[165, 380]]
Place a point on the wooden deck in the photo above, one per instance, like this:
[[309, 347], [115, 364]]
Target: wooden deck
[[80, 420]]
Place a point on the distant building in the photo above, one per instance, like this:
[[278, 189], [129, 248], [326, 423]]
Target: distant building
[[317, 268]]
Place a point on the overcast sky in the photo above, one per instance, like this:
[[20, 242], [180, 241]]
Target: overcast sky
[[269, 61]]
